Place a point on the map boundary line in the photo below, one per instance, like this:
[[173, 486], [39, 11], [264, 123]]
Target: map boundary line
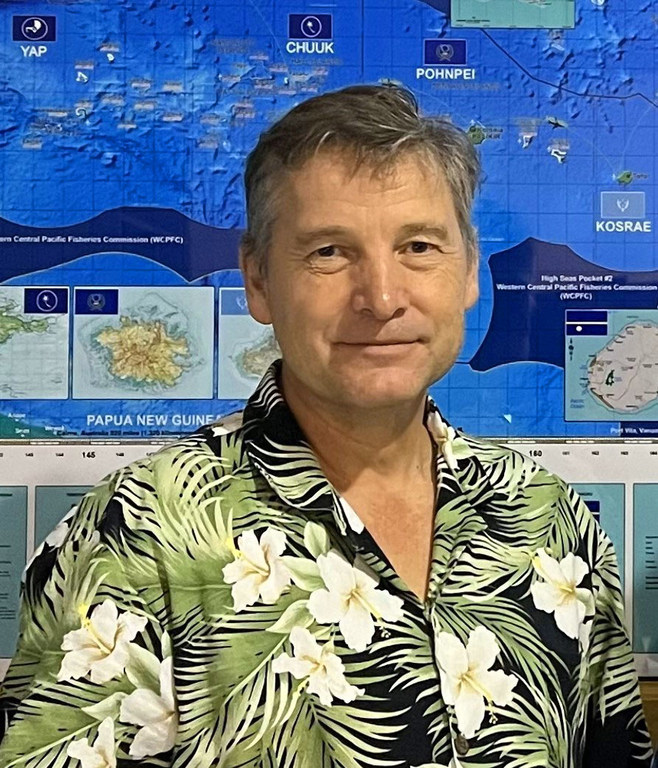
[[561, 87]]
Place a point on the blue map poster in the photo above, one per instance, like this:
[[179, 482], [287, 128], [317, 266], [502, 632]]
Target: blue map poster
[[123, 133]]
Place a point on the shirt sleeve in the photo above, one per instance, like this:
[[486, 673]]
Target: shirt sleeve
[[616, 734], [91, 681]]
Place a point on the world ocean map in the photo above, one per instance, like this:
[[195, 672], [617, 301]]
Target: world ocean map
[[124, 127]]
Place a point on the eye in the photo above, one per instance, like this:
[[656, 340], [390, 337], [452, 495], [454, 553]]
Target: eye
[[328, 259], [420, 246], [327, 251]]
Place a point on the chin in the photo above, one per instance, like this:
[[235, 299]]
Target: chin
[[382, 389]]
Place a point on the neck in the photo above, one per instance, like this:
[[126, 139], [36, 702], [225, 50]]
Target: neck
[[384, 445]]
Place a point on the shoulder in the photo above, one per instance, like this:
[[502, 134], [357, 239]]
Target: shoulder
[[517, 481], [182, 471], [527, 505], [507, 468], [217, 446]]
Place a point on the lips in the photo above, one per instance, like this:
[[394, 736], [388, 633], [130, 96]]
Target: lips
[[379, 343]]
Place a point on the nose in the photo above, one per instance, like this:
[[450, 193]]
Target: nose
[[379, 287]]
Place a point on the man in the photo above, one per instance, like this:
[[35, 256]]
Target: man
[[335, 577]]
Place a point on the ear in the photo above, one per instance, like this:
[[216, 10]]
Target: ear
[[256, 288]]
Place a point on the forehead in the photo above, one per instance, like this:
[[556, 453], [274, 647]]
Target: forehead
[[376, 174], [331, 182]]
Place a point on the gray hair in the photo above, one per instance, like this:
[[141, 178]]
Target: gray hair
[[374, 125]]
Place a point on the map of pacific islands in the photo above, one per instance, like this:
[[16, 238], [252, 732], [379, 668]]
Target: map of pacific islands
[[611, 369], [254, 358], [12, 323], [127, 173]]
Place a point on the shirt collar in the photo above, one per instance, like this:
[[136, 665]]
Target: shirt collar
[[278, 448]]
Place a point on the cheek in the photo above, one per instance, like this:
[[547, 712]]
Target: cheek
[[299, 321], [446, 301], [311, 308], [450, 295]]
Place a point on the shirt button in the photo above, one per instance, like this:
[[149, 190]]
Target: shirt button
[[461, 744]]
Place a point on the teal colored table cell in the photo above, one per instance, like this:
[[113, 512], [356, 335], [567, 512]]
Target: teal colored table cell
[[13, 533], [607, 504], [513, 14], [645, 568], [51, 503]]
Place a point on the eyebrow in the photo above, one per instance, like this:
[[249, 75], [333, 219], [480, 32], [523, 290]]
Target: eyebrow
[[421, 228], [306, 238], [408, 230]]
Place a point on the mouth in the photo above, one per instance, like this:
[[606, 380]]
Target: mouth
[[379, 348], [380, 343]]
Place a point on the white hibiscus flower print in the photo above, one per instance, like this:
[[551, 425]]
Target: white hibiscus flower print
[[560, 594], [351, 599], [323, 670], [101, 646], [258, 569], [467, 681], [103, 754], [444, 436], [156, 713]]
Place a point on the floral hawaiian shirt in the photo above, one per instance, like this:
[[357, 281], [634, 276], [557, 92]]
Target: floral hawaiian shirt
[[218, 604]]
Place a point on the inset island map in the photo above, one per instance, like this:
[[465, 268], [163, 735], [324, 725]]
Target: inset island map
[[515, 14], [612, 371], [246, 348], [33, 349], [143, 343]]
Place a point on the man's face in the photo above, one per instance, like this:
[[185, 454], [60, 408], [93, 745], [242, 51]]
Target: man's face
[[366, 284]]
